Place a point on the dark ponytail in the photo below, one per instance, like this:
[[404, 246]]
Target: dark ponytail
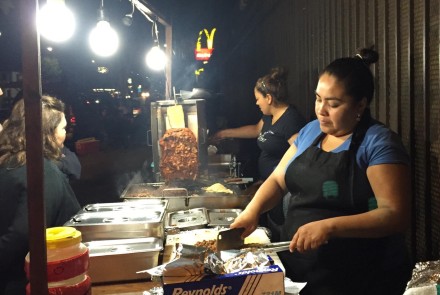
[[354, 73], [275, 84]]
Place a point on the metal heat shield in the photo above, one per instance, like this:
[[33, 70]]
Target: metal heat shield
[[195, 120]]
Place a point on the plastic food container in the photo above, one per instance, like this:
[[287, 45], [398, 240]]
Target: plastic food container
[[67, 262]]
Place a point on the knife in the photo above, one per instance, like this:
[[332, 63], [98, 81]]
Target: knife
[[230, 239]]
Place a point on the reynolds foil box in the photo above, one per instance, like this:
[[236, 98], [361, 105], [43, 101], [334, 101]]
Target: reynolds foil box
[[268, 280]]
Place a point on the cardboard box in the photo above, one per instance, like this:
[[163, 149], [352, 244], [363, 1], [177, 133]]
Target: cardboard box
[[268, 280], [86, 146]]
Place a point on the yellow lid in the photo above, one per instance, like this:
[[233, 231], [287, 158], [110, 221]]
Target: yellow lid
[[62, 236]]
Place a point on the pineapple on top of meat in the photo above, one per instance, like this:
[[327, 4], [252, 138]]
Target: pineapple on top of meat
[[179, 154]]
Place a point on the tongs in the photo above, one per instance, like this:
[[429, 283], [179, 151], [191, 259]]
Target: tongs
[[274, 247], [231, 239]]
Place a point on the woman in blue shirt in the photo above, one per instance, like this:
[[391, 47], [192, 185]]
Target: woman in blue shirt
[[350, 185]]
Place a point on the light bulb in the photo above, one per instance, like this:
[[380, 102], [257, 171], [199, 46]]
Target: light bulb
[[127, 20], [56, 22], [156, 59], [103, 39]]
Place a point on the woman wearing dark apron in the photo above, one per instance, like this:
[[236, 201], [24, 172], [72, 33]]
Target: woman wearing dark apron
[[349, 179]]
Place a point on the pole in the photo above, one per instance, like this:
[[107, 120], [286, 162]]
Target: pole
[[31, 60]]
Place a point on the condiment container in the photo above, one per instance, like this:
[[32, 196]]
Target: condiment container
[[67, 262]]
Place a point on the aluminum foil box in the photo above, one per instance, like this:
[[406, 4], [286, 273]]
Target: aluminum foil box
[[263, 281]]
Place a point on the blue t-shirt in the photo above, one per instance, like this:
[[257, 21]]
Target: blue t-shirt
[[380, 145]]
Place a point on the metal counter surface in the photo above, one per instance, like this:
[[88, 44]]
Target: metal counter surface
[[136, 288]]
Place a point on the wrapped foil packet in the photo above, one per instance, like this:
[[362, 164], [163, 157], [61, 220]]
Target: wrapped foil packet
[[197, 261], [424, 274], [188, 260], [246, 259]]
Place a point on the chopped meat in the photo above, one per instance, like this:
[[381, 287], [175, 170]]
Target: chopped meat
[[209, 244], [179, 154]]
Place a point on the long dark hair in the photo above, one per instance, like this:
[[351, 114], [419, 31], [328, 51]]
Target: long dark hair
[[13, 137]]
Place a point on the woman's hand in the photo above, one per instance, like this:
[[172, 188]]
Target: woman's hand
[[217, 137], [310, 236], [247, 220]]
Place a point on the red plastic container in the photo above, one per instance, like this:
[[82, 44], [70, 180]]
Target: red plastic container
[[67, 262]]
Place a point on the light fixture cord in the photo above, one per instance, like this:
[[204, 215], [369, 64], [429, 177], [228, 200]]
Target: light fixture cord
[[132, 8]]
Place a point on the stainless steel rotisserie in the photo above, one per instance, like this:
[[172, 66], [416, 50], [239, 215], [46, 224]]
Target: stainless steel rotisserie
[[194, 119]]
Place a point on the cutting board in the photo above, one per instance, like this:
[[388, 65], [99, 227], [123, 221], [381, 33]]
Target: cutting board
[[176, 117]]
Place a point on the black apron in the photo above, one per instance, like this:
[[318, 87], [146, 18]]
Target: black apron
[[324, 185]]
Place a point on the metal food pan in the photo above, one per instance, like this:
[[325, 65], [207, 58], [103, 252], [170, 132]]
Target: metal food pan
[[160, 189], [187, 198], [222, 217], [118, 225], [146, 204], [187, 219], [219, 201], [119, 260], [212, 201]]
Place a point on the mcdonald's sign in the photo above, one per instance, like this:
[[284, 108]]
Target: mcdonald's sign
[[204, 54]]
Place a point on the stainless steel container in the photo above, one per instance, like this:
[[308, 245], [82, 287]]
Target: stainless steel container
[[118, 225], [187, 219], [119, 260], [195, 120], [146, 204], [182, 199], [222, 217]]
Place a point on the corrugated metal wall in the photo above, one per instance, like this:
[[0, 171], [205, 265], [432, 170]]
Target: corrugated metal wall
[[305, 35]]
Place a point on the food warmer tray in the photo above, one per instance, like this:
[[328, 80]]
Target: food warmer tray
[[187, 219], [222, 217], [119, 260], [118, 225], [189, 197], [145, 204]]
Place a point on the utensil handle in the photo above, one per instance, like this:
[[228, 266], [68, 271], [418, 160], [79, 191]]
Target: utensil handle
[[278, 247]]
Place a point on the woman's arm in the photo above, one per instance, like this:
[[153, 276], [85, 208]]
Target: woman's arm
[[391, 184], [266, 197], [248, 131], [292, 138]]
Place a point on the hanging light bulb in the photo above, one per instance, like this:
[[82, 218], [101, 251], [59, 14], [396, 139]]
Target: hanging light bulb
[[103, 39], [128, 18], [156, 58], [55, 21]]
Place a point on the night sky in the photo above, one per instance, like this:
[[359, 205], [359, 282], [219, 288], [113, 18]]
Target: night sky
[[188, 17]]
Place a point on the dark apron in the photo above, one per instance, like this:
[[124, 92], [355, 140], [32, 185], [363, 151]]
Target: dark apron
[[324, 185]]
